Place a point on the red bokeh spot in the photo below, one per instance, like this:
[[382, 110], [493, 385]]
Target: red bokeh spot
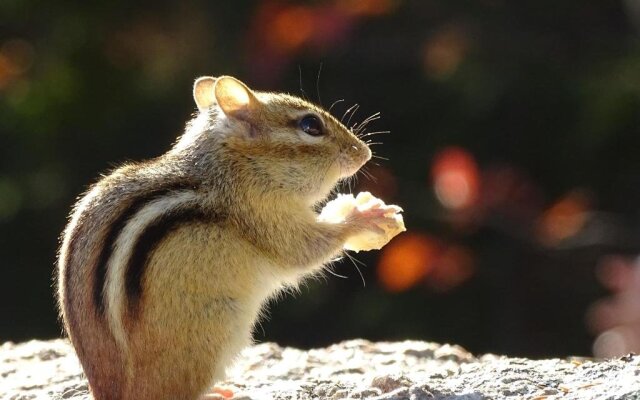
[[380, 181], [455, 178], [455, 265]]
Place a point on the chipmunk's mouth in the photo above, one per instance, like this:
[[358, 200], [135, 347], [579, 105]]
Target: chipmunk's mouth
[[348, 169]]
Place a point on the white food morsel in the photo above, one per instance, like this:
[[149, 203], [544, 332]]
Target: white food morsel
[[337, 210]]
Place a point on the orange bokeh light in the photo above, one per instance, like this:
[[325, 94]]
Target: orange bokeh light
[[16, 57], [445, 50], [292, 27], [455, 178], [564, 219], [367, 7], [406, 261]]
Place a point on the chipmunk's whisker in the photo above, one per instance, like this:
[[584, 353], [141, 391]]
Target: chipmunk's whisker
[[355, 110], [364, 135], [353, 261], [318, 84], [354, 180], [348, 111], [332, 272], [359, 130], [368, 174], [334, 103], [304, 95], [362, 125], [372, 117]]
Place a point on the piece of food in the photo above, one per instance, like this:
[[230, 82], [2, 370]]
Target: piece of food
[[337, 210]]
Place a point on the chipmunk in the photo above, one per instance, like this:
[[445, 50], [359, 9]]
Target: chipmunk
[[165, 265]]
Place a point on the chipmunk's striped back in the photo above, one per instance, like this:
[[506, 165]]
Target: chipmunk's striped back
[[106, 249], [116, 229]]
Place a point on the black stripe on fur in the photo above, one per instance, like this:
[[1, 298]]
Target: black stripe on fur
[[148, 241], [116, 228]]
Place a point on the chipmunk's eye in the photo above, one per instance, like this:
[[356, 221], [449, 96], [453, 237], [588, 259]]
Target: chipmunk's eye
[[311, 125]]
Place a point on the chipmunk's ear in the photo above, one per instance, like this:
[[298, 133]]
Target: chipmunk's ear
[[203, 92], [235, 98]]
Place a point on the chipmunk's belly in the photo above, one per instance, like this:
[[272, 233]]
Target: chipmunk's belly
[[217, 285]]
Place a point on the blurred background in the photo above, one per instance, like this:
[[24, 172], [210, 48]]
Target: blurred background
[[514, 134]]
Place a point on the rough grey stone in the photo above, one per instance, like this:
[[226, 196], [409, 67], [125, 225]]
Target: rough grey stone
[[355, 369]]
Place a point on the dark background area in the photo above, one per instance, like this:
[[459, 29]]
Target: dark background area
[[513, 148]]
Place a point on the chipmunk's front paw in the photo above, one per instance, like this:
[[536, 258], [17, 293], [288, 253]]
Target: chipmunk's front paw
[[374, 222]]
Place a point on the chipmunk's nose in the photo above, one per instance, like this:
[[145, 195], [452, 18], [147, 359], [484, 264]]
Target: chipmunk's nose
[[361, 152], [368, 152]]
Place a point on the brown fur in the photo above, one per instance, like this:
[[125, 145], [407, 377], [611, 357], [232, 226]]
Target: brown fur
[[204, 282]]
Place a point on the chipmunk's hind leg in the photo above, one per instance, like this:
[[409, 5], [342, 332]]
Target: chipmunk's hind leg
[[104, 368], [101, 358]]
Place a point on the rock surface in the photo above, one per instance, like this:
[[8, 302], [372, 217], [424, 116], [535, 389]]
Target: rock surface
[[355, 369]]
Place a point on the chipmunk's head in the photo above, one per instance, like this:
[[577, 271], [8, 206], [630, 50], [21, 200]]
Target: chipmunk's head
[[280, 141]]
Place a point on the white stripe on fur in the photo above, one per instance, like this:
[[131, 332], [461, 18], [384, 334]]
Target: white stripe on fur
[[116, 266]]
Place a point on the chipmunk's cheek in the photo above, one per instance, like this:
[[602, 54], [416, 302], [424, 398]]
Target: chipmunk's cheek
[[327, 182], [334, 173]]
